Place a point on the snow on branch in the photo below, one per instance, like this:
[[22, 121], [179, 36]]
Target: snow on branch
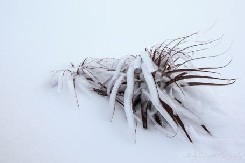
[[151, 87]]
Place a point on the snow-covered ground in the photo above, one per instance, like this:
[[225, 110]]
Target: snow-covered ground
[[39, 125]]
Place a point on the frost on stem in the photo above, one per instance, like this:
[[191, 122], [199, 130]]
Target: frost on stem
[[152, 87], [113, 95], [115, 75], [128, 95]]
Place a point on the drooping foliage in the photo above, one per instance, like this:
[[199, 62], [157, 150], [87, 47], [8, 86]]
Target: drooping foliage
[[152, 86]]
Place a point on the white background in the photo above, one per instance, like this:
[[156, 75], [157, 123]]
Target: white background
[[38, 36]]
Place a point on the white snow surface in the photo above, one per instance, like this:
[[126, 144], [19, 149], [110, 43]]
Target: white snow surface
[[38, 124]]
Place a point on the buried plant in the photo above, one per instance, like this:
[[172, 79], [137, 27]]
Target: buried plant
[[151, 87]]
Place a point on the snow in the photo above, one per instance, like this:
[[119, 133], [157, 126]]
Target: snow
[[115, 76], [113, 94], [177, 108], [38, 124], [154, 96], [150, 66], [128, 106]]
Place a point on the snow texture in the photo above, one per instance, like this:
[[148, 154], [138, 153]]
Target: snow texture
[[148, 62], [113, 94], [116, 74], [39, 125], [128, 107], [154, 96]]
